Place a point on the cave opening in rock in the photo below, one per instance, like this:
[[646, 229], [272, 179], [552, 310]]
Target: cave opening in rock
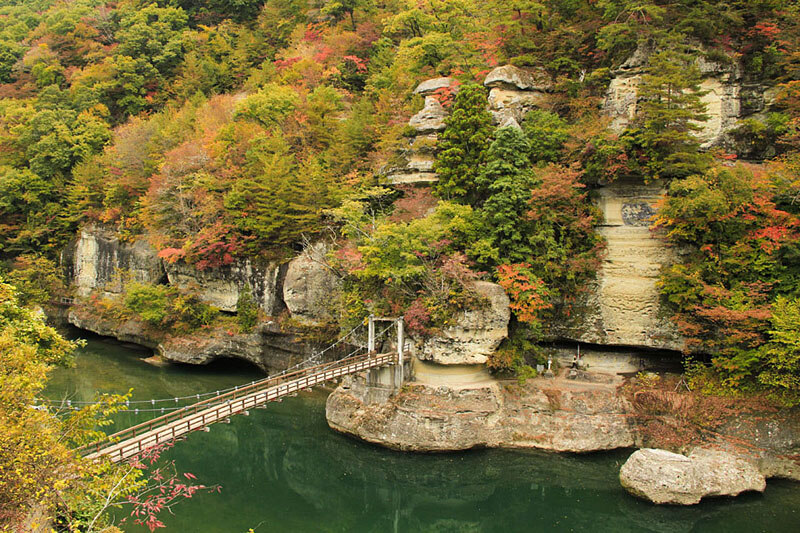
[[618, 359], [222, 365]]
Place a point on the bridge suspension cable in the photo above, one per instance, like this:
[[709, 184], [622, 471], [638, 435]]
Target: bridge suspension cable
[[168, 427], [74, 405]]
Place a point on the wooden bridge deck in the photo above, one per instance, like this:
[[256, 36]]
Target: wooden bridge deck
[[132, 441]]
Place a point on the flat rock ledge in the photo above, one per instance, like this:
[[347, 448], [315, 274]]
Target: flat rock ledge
[[664, 477]]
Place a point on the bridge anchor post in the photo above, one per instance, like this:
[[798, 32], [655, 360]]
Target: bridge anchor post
[[371, 335], [398, 372]]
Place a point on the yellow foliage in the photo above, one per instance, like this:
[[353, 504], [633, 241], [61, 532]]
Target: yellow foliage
[[40, 473]]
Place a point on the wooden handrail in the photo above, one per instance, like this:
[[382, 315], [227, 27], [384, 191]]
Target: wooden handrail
[[179, 414]]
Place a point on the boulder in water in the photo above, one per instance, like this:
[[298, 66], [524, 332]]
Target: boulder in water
[[670, 478]]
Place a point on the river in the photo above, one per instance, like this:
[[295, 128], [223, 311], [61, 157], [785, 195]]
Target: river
[[282, 469]]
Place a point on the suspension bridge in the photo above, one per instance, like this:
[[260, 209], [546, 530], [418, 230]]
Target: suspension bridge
[[221, 406]]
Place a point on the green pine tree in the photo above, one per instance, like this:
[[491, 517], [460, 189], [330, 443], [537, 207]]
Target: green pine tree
[[463, 145], [669, 115], [508, 180], [280, 201]]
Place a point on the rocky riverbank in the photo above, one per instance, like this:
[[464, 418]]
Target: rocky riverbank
[[562, 415], [268, 347], [555, 415]]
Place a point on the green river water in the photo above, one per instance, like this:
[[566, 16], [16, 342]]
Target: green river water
[[283, 469]]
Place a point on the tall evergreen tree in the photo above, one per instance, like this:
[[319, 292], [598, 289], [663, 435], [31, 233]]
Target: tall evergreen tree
[[508, 179], [463, 145], [281, 201], [670, 114]]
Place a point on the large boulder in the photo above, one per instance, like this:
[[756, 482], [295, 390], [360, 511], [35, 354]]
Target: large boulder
[[309, 286], [511, 77], [670, 478], [475, 333], [430, 118], [513, 92]]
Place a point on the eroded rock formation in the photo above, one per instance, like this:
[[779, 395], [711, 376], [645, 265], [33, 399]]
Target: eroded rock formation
[[98, 261], [221, 286], [414, 163], [267, 346], [310, 286], [440, 415], [475, 334], [513, 92], [727, 96]]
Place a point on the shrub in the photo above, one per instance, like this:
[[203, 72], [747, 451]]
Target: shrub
[[165, 306], [149, 302], [246, 310]]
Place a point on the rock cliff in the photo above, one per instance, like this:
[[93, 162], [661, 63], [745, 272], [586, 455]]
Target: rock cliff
[[727, 95], [98, 262], [623, 306], [267, 347], [309, 285], [221, 286]]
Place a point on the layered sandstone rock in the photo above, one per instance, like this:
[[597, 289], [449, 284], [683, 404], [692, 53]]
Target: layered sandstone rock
[[421, 418], [669, 478], [467, 409], [726, 96], [310, 286], [511, 77], [623, 306], [98, 261], [415, 161], [221, 286], [267, 347], [430, 119], [431, 86]]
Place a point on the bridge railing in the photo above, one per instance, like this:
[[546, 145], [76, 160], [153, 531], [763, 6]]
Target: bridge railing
[[246, 390]]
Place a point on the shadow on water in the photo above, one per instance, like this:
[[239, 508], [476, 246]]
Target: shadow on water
[[283, 469]]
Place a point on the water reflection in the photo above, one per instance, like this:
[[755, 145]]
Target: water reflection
[[283, 469]]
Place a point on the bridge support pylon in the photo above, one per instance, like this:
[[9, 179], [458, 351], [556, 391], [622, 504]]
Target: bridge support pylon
[[388, 378]]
